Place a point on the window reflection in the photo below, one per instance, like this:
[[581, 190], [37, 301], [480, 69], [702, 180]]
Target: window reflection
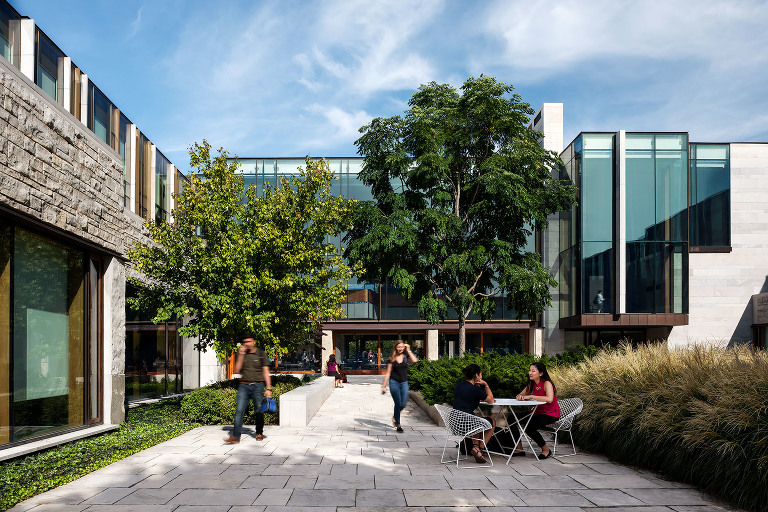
[[710, 195]]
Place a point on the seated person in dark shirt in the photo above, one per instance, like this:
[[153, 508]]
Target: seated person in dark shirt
[[467, 396]]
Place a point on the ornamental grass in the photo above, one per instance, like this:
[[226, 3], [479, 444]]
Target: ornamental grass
[[697, 415]]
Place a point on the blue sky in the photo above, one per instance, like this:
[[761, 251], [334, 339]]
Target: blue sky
[[290, 78]]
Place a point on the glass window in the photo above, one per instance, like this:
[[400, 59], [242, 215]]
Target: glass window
[[710, 179], [448, 344], [143, 175], [161, 187], [47, 65], [671, 195], [5, 331], [568, 279], [99, 113], [640, 185], [49, 318], [8, 32], [597, 194], [657, 277], [122, 150], [504, 342], [598, 265]]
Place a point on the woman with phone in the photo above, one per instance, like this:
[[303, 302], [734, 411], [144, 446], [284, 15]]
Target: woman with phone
[[397, 376]]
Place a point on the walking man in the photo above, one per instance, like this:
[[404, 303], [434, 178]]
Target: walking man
[[253, 366]]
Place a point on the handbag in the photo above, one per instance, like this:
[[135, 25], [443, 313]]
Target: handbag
[[343, 377], [268, 405]]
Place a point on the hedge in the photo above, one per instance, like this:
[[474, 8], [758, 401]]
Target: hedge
[[506, 374]]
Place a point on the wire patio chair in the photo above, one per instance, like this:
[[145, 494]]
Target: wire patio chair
[[569, 408], [463, 425]]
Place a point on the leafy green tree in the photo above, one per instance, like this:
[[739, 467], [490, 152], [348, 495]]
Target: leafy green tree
[[232, 260], [458, 182]]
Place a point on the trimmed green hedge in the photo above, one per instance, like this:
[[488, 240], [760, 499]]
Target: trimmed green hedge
[[144, 426], [697, 415], [505, 374], [215, 404]]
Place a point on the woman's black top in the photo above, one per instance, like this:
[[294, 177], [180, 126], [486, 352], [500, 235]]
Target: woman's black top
[[467, 396], [399, 370]]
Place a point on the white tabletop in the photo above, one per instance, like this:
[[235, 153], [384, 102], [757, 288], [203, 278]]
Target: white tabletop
[[514, 401]]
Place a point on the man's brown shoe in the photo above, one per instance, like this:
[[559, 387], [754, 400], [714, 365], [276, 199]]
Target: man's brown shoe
[[259, 437], [232, 440]]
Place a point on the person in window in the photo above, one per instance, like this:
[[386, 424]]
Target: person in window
[[397, 375], [467, 395], [541, 388], [598, 301]]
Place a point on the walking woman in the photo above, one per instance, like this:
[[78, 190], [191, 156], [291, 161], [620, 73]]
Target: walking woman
[[397, 376], [334, 371], [541, 388]]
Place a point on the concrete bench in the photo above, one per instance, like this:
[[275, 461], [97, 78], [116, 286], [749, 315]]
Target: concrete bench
[[298, 406]]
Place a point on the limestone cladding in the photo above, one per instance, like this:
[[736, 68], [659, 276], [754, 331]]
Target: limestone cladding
[[54, 169], [721, 284]]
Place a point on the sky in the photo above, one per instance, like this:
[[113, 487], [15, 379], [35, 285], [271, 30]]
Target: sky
[[295, 78]]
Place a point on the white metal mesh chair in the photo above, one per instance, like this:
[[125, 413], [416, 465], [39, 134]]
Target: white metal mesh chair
[[569, 408], [463, 425]]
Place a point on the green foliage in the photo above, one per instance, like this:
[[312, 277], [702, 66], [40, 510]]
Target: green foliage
[[215, 404], [505, 374], [231, 261], [145, 426], [698, 415], [458, 183]]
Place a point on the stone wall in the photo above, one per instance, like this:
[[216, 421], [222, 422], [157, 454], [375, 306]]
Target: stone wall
[[54, 170]]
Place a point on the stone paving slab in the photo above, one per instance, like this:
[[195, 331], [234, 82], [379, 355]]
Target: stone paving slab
[[350, 458]]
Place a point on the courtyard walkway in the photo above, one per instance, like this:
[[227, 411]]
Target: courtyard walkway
[[351, 459]]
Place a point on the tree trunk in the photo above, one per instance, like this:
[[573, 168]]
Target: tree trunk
[[462, 335]]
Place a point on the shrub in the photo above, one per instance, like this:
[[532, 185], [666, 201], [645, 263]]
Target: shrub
[[215, 404], [506, 374], [698, 415]]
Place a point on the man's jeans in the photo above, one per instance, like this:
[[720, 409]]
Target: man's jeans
[[246, 393], [399, 391]]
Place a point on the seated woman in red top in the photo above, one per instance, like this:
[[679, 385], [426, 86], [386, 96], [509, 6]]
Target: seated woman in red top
[[541, 388]]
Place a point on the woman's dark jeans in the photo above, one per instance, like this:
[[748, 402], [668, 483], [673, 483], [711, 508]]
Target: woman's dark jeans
[[399, 391], [532, 430]]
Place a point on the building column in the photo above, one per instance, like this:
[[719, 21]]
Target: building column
[[536, 341], [64, 85], [26, 48], [619, 302], [152, 181], [84, 99], [113, 377], [431, 350], [327, 343]]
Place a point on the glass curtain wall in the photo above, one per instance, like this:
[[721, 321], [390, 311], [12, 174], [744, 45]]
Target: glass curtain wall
[[569, 225], [597, 185], [47, 61], [657, 223], [9, 20], [143, 175], [161, 187], [153, 356], [49, 336], [122, 149], [710, 178], [99, 113]]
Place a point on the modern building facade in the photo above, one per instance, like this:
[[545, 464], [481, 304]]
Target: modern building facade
[[77, 181], [666, 241], [376, 313]]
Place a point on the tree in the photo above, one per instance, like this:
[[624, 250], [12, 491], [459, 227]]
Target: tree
[[232, 261], [458, 183]]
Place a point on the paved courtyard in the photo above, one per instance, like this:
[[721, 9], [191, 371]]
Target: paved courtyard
[[350, 458]]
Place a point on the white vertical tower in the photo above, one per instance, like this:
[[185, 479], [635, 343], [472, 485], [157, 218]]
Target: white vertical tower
[[549, 121]]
